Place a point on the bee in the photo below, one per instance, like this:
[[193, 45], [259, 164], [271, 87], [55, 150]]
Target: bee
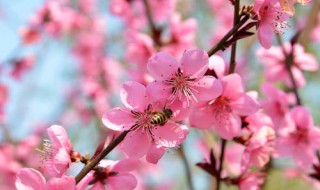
[[161, 118]]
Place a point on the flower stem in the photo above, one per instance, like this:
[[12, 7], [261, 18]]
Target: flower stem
[[186, 166], [289, 62], [220, 45], [102, 155], [236, 22], [221, 158], [155, 32]]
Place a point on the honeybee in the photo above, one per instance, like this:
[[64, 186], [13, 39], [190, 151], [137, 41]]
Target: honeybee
[[161, 118]]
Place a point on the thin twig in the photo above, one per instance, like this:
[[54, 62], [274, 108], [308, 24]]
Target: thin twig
[[234, 46], [289, 62], [155, 32], [221, 158], [102, 155], [220, 45], [186, 166]]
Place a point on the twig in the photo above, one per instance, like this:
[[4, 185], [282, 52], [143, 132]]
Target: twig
[[186, 167], [155, 32], [220, 45], [102, 155], [289, 62], [223, 148]]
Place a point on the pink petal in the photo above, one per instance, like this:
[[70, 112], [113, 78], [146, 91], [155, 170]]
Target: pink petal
[[227, 126], [155, 153], [136, 144], [207, 88], [301, 117], [122, 181], [162, 66], [194, 63], [126, 165], [133, 96], [31, 179], [276, 73], [298, 77], [61, 183], [158, 90], [180, 110], [265, 32], [59, 136], [303, 156], [59, 164], [307, 62], [169, 135], [83, 184], [217, 64], [118, 119], [232, 86], [201, 117], [244, 105], [284, 147]]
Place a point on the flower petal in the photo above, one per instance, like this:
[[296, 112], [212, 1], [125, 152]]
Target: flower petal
[[133, 96], [158, 90], [227, 126], [265, 32], [162, 66], [122, 181], [207, 88], [31, 179], [194, 63], [118, 119], [169, 135], [201, 117], [244, 105], [126, 165], [301, 116], [232, 86], [136, 144], [155, 153], [61, 183], [59, 136]]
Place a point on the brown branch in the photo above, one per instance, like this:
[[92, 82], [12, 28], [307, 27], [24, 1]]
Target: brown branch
[[289, 62], [102, 155], [220, 45], [223, 148], [155, 32]]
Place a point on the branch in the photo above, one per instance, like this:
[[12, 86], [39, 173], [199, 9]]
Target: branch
[[289, 63], [155, 32], [102, 155], [220, 45], [223, 148]]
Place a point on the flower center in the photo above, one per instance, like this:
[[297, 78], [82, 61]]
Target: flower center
[[181, 86], [300, 135], [221, 109]]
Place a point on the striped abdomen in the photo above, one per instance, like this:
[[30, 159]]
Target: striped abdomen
[[161, 118]]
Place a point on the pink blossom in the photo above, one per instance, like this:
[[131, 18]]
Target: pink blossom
[[144, 138], [251, 181], [30, 35], [299, 138], [271, 20], [259, 148], [274, 60], [223, 113], [182, 80], [57, 152], [113, 174], [276, 104], [288, 5], [182, 35], [31, 179]]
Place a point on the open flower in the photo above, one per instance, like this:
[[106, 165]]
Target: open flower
[[145, 138], [223, 113], [271, 20], [274, 61], [299, 138], [112, 174], [31, 179], [182, 80], [57, 152]]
